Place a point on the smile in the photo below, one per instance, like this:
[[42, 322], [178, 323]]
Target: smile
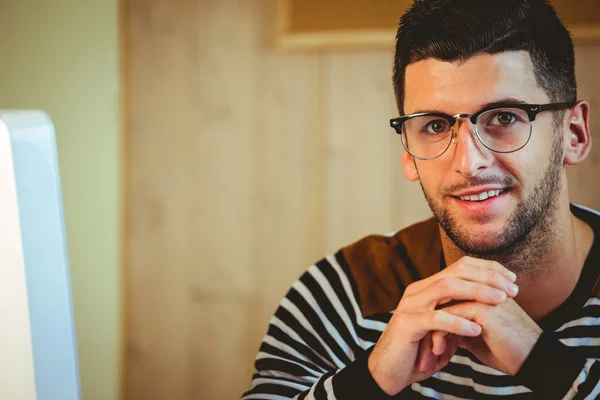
[[482, 196]]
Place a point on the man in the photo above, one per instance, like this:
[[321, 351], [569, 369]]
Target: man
[[498, 295]]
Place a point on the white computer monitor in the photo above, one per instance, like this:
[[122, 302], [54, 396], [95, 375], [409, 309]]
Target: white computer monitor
[[38, 354]]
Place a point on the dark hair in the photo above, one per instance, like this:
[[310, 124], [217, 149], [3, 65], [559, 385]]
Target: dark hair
[[456, 30]]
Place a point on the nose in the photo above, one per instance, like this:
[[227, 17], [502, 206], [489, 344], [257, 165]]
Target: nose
[[471, 157]]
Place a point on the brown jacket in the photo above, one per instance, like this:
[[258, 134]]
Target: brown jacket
[[382, 266]]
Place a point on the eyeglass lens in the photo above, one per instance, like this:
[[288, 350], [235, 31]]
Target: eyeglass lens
[[501, 130]]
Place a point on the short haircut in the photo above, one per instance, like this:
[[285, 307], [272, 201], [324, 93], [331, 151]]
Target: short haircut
[[456, 30]]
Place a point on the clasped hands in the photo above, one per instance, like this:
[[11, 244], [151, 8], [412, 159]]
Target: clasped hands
[[470, 304]]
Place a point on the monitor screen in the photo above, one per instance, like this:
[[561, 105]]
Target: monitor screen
[[37, 337]]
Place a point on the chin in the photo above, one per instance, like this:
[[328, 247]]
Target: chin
[[494, 224], [478, 239], [484, 244], [483, 234]]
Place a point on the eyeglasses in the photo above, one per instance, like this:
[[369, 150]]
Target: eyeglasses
[[502, 129]]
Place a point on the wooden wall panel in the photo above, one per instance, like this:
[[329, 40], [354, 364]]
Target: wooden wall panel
[[582, 177], [245, 166], [222, 178], [358, 103], [227, 168], [220, 348], [223, 182], [158, 199], [372, 24], [291, 209]]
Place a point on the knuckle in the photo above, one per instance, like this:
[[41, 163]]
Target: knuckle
[[496, 295], [443, 285], [463, 262], [495, 276], [458, 325], [496, 265], [405, 305], [479, 291], [436, 318]]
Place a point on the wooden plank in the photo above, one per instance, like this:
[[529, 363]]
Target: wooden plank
[[335, 15], [358, 103], [224, 191], [159, 67], [332, 15], [582, 177], [220, 349], [363, 24], [291, 147], [222, 179]]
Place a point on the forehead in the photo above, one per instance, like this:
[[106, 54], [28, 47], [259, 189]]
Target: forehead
[[465, 86]]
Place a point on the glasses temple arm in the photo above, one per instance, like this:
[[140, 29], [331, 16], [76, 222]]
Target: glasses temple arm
[[557, 106]]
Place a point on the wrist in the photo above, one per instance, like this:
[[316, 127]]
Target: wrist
[[355, 381], [526, 346], [387, 383]]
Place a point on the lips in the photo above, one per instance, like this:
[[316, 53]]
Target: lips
[[481, 203]]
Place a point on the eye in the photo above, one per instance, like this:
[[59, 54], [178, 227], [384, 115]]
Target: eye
[[505, 118], [436, 126], [502, 118]]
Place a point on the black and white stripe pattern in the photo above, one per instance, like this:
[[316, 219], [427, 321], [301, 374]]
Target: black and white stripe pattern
[[318, 331]]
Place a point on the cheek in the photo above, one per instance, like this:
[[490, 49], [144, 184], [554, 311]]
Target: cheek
[[531, 162], [432, 175], [525, 168]]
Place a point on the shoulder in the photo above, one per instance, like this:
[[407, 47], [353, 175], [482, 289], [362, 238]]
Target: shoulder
[[381, 266]]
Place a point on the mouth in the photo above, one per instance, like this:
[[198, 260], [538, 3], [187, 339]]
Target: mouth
[[482, 196]]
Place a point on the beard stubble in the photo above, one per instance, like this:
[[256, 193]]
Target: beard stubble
[[530, 227]]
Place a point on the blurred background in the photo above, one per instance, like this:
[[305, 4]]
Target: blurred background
[[204, 170]]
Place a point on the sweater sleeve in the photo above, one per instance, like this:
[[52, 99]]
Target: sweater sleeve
[[553, 370], [317, 344]]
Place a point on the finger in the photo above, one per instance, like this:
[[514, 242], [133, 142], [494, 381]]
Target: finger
[[452, 342], [472, 269], [427, 360], [439, 342], [448, 289], [486, 275], [440, 320], [485, 264]]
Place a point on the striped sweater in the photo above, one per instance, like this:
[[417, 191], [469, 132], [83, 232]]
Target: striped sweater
[[320, 336]]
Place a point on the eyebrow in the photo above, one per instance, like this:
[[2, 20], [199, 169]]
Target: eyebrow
[[498, 103]]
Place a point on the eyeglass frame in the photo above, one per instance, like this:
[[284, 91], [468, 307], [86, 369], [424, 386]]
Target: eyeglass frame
[[532, 111]]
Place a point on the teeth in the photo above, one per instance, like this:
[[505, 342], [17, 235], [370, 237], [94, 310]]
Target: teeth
[[482, 196]]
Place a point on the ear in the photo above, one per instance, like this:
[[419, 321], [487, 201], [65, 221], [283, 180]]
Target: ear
[[579, 141], [410, 168]]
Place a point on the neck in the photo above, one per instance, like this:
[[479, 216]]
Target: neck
[[548, 262]]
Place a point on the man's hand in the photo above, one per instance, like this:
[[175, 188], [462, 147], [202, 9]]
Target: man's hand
[[508, 334], [404, 353]]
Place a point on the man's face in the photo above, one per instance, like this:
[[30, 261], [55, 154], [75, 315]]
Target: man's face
[[530, 179]]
